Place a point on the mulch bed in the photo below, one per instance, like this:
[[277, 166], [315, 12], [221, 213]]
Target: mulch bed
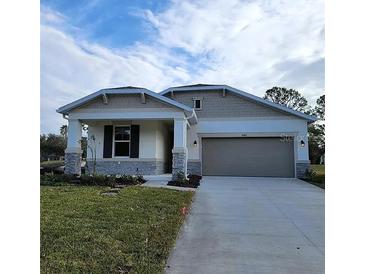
[[193, 181]]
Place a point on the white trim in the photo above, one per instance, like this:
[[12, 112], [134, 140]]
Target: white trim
[[201, 103], [248, 134], [247, 95], [121, 141], [217, 119], [303, 162], [148, 115], [126, 110]]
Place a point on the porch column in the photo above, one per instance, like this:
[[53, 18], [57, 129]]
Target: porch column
[[179, 152], [73, 151]]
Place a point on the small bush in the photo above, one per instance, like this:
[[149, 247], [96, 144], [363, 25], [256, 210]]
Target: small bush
[[97, 180], [56, 179], [90, 180], [193, 180], [129, 180], [310, 173], [141, 179], [315, 178]]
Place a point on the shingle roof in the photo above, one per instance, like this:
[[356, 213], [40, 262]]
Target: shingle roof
[[195, 85]]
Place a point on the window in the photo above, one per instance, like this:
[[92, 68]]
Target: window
[[197, 103], [122, 139]]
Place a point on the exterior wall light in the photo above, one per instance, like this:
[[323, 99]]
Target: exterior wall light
[[195, 143], [302, 143]]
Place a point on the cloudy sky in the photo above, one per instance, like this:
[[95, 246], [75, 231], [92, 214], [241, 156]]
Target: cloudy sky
[[251, 45]]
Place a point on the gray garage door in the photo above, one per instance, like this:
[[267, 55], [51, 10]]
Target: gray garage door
[[248, 157]]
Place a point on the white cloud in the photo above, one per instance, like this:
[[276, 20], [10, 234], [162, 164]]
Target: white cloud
[[249, 42], [252, 45], [71, 69]]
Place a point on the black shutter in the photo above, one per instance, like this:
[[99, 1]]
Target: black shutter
[[134, 141], [108, 142]]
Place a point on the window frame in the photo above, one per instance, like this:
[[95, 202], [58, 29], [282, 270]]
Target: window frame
[[122, 141], [201, 103]]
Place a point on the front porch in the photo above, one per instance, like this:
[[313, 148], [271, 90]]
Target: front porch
[[132, 147], [130, 131]]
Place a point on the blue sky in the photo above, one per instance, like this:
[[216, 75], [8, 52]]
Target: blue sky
[[251, 45]]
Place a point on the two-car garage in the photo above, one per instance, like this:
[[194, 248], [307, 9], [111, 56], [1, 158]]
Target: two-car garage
[[248, 156]]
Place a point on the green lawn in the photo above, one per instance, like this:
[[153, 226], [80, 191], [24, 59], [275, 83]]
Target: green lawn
[[52, 164], [319, 169], [319, 178], [133, 232]]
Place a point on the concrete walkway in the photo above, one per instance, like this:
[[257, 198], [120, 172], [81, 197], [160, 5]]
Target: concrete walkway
[[252, 225]]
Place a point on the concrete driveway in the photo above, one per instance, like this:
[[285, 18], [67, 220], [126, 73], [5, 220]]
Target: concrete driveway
[[252, 225]]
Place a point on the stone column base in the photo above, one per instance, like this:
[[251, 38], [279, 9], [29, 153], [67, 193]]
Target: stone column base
[[73, 163], [302, 168], [179, 164]]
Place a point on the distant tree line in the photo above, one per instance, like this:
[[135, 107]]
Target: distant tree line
[[316, 131], [52, 146]]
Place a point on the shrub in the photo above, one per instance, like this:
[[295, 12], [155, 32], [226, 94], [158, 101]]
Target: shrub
[[315, 178], [56, 179], [310, 173], [192, 181], [193, 178], [90, 180], [141, 179], [129, 180], [97, 180]]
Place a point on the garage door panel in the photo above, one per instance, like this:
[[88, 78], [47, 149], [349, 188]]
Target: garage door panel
[[248, 157]]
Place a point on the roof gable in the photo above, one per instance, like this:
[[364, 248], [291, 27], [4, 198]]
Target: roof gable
[[246, 95], [124, 90]]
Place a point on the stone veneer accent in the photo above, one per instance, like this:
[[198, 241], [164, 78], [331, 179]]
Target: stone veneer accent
[[194, 167], [129, 167], [73, 163], [178, 164], [301, 169]]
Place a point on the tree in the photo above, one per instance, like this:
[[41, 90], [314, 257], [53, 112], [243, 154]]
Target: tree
[[64, 131], [52, 145], [287, 97], [319, 110], [316, 132]]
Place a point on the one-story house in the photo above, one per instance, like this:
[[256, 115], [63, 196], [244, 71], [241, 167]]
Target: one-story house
[[198, 129]]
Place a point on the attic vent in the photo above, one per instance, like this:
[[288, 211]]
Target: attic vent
[[198, 103]]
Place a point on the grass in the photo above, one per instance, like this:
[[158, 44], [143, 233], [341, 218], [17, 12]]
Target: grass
[[319, 169], [132, 232], [52, 164], [319, 178]]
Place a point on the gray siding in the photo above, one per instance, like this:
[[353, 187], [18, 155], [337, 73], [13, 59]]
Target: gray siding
[[215, 105], [121, 101]]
